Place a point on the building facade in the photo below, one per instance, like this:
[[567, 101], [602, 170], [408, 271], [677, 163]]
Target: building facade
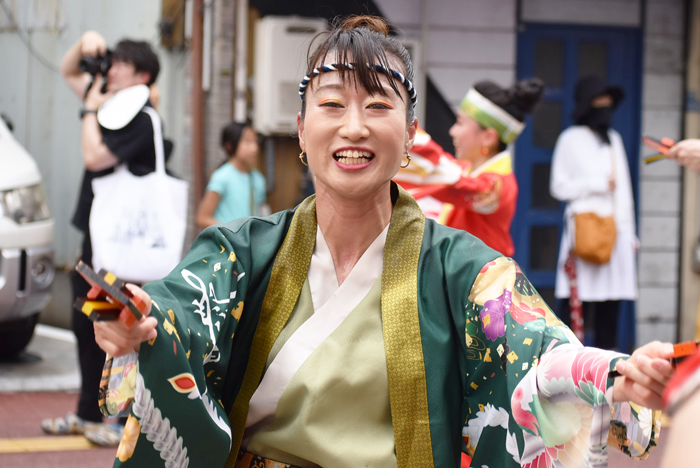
[[641, 45]]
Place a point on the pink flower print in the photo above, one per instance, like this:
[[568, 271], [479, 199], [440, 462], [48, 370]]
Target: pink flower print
[[492, 315], [487, 266], [522, 313], [544, 459], [524, 418], [591, 366]]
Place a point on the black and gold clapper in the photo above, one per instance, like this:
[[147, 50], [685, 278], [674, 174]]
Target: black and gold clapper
[[108, 298], [661, 146]]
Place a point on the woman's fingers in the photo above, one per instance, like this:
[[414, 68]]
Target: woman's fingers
[[143, 295], [117, 340], [640, 371], [687, 152], [663, 367], [657, 369], [645, 374], [655, 349], [646, 397], [626, 389], [111, 340], [147, 328]]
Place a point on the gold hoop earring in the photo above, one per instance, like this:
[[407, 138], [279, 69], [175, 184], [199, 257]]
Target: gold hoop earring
[[485, 150], [301, 158], [408, 158]]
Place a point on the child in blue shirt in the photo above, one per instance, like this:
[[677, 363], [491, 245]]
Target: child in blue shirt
[[236, 189]]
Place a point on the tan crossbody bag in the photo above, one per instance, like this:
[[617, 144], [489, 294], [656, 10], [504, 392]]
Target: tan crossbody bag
[[595, 235]]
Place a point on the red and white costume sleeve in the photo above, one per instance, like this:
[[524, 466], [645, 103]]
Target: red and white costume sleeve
[[684, 384], [481, 201]]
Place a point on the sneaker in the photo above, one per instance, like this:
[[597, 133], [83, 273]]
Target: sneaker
[[105, 435], [66, 425]]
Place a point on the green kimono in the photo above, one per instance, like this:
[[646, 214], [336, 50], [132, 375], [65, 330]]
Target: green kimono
[[477, 364]]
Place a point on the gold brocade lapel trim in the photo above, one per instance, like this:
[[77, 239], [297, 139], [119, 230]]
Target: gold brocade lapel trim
[[408, 391], [286, 280]]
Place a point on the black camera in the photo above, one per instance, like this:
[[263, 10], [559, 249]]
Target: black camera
[[95, 65]]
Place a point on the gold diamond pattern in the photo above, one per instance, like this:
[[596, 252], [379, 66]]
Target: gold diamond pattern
[[408, 391]]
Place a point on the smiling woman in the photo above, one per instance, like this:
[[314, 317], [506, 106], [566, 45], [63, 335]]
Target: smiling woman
[[475, 189], [352, 331]]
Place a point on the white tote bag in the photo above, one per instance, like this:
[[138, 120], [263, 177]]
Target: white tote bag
[[138, 223]]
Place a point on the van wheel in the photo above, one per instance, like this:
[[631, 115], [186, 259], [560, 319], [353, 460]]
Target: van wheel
[[15, 335]]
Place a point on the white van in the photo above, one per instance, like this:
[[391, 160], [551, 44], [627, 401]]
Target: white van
[[26, 244]]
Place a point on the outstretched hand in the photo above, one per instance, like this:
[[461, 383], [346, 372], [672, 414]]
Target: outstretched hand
[[644, 375], [687, 153], [116, 339]]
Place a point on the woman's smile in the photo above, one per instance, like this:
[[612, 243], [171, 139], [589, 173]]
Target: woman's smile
[[353, 159]]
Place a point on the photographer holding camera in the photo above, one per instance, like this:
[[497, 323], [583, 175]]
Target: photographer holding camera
[[95, 74]]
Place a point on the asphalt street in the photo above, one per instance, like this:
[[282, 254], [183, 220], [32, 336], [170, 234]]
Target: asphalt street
[[43, 383]]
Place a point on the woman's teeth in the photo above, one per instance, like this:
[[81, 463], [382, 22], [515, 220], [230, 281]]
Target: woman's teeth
[[353, 156]]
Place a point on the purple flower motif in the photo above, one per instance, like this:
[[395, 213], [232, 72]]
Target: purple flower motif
[[492, 315]]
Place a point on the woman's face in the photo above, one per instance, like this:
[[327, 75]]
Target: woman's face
[[354, 142], [602, 101], [248, 148], [469, 138]]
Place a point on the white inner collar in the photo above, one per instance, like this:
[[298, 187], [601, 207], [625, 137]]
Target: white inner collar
[[323, 280]]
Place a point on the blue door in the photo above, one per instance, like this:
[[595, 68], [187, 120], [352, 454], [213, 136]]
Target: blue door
[[560, 55]]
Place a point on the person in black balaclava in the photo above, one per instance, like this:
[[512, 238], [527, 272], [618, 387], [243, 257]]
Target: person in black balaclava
[[590, 173], [595, 103]]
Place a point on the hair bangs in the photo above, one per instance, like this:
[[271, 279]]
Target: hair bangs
[[364, 43], [356, 47]]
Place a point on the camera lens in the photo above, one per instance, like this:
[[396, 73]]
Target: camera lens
[[89, 65], [105, 63]]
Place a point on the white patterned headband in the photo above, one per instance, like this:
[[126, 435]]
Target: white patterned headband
[[351, 66]]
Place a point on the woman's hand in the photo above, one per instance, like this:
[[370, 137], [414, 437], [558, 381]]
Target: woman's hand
[[116, 339], [644, 375], [687, 153]]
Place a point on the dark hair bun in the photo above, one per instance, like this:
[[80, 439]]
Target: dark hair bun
[[518, 100], [526, 94], [373, 23]]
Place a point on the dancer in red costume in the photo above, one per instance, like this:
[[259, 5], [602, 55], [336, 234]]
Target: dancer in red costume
[[475, 191]]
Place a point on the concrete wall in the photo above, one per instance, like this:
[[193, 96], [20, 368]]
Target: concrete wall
[[45, 112], [584, 12], [660, 187], [466, 41]]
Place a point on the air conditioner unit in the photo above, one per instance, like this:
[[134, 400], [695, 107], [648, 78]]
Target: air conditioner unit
[[281, 45]]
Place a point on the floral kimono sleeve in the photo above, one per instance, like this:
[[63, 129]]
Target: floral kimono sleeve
[[550, 397], [171, 389]]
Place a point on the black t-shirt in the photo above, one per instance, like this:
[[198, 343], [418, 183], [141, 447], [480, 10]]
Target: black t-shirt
[[133, 145]]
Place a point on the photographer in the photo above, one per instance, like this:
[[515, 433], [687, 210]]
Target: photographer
[[95, 75]]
